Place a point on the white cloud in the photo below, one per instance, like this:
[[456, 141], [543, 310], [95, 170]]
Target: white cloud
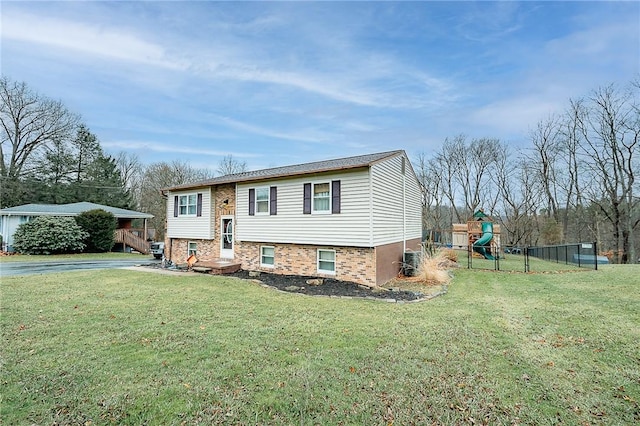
[[350, 74], [110, 43], [177, 148], [303, 135], [513, 116]]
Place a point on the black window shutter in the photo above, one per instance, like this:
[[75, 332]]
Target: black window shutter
[[335, 196], [199, 205], [175, 206], [307, 199], [273, 200], [252, 202]]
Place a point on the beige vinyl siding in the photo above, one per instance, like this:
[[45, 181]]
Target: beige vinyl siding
[[413, 201], [396, 202], [196, 227], [351, 227]]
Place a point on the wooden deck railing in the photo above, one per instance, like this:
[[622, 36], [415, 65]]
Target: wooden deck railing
[[130, 239]]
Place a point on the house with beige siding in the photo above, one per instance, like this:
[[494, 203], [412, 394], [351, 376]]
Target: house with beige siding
[[350, 218]]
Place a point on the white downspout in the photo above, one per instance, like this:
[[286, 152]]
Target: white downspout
[[5, 232]]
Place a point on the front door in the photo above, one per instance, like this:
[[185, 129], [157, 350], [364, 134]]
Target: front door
[[226, 231]]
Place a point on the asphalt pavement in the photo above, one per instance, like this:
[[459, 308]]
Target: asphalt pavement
[[8, 269]]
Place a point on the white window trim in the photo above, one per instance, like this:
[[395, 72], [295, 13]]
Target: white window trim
[[195, 251], [313, 204], [268, 201], [267, 265], [195, 204], [324, 271]]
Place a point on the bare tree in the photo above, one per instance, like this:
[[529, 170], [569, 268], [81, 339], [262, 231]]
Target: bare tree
[[610, 137], [433, 206], [570, 180], [28, 121], [467, 171], [545, 153], [452, 161], [131, 170], [229, 165], [517, 198], [479, 184]]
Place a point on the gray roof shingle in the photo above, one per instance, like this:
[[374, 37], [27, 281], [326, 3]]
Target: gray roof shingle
[[72, 209], [294, 170]]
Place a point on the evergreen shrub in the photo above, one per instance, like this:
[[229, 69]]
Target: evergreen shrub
[[49, 235], [100, 226]]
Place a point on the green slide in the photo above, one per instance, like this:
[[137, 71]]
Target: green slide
[[487, 236]]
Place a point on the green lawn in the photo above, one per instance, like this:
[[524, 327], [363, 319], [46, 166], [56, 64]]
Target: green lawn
[[128, 347], [75, 256]]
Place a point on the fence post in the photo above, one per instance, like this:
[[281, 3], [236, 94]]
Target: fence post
[[579, 246], [595, 254]]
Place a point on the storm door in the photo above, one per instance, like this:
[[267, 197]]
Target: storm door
[[226, 232]]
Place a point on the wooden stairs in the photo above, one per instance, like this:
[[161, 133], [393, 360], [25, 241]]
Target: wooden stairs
[[217, 266], [130, 239]]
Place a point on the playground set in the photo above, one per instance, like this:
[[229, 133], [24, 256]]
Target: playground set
[[480, 236]]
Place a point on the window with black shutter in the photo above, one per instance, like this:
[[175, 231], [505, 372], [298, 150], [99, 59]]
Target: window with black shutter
[[335, 196], [273, 200], [252, 202], [307, 199], [322, 197], [199, 205]]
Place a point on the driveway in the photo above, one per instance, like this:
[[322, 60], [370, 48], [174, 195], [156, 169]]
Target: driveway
[[8, 269]]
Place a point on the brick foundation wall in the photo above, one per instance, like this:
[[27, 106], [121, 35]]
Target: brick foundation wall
[[205, 249], [352, 263]]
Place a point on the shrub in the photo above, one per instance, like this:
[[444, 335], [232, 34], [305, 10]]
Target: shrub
[[49, 235], [100, 226]]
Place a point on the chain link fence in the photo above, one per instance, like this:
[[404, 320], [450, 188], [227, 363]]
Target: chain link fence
[[512, 258], [583, 255]]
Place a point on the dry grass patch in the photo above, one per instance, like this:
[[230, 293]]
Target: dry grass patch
[[433, 273], [435, 269]]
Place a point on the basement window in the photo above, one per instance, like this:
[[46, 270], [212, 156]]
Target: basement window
[[327, 261], [267, 256]]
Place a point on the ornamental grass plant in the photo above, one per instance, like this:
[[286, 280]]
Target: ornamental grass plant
[[436, 268]]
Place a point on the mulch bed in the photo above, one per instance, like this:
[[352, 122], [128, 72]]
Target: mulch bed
[[329, 287]]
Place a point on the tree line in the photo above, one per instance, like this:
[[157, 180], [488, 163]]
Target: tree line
[[573, 181]]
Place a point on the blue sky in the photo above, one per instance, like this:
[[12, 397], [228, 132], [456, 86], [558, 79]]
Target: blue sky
[[276, 83]]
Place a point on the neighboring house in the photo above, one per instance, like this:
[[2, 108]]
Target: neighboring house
[[12, 217], [350, 218]]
